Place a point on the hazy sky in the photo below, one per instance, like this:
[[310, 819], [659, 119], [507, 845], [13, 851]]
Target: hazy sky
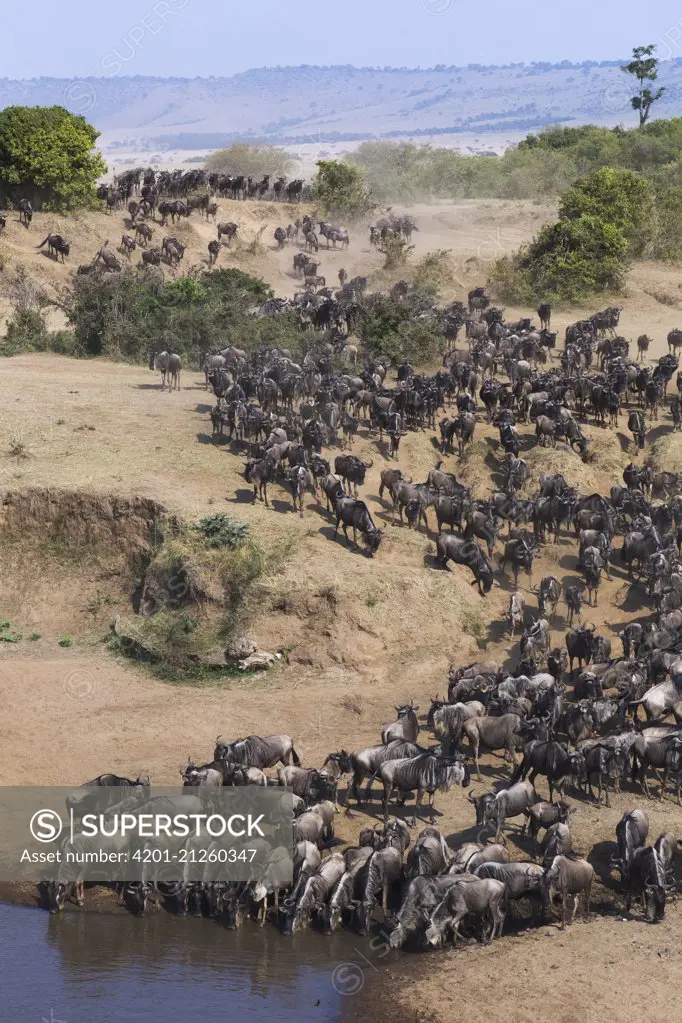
[[221, 37]]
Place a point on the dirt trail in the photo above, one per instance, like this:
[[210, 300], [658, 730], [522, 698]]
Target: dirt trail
[[362, 634]]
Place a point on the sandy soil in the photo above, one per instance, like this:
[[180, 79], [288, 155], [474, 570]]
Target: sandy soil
[[362, 634]]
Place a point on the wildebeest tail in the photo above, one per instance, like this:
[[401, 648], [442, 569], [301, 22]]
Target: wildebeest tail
[[635, 767], [640, 440], [44, 242], [295, 757]]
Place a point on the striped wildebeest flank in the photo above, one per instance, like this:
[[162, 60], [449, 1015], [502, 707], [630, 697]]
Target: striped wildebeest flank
[[258, 751]]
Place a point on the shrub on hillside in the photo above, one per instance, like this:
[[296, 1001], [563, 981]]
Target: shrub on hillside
[[125, 315], [619, 197], [569, 261], [48, 155], [667, 233], [339, 189]]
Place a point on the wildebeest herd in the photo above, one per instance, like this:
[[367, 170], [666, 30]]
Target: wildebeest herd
[[589, 720], [147, 194], [427, 887]]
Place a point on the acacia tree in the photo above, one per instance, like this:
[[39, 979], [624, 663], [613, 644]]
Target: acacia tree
[[644, 67]]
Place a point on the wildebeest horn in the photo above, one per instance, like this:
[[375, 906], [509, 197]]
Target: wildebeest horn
[[368, 465]]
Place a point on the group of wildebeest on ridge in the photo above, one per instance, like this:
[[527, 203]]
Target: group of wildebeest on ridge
[[148, 194], [430, 886]]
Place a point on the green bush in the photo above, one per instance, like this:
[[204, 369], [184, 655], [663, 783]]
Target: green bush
[[124, 315], [339, 189], [667, 240], [26, 332], [616, 196], [568, 261], [541, 165], [48, 155], [221, 530], [387, 328]]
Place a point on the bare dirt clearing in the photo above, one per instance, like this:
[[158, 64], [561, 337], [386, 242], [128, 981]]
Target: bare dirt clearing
[[362, 635]]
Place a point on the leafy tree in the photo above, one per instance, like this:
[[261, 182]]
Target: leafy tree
[[570, 260], [619, 197], [644, 67], [340, 190], [47, 155]]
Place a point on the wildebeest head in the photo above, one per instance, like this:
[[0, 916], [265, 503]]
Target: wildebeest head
[[482, 804], [654, 899], [340, 761], [234, 905], [56, 894], [372, 539], [138, 893]]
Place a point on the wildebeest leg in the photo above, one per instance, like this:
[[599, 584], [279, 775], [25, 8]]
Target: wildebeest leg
[[265, 493], [417, 804], [387, 793], [564, 902]]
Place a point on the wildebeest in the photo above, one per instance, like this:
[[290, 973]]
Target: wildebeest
[[168, 364], [258, 751], [493, 733], [352, 471], [424, 774], [56, 246], [552, 759], [104, 790], [479, 896], [406, 727], [570, 877], [469, 553], [366, 763], [493, 808], [354, 513]]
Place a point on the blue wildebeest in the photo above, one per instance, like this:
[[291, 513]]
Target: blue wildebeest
[[103, 791], [314, 895], [258, 751], [429, 856], [168, 364], [496, 807], [365, 763], [424, 774], [384, 869], [405, 727], [493, 733], [348, 889], [354, 513], [552, 759], [570, 877], [477, 896]]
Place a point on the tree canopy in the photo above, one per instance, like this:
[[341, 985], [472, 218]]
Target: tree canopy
[[340, 190], [620, 197], [47, 155]]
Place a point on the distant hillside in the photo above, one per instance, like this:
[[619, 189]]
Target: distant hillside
[[327, 104]]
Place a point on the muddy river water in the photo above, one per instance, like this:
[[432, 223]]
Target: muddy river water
[[96, 968]]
